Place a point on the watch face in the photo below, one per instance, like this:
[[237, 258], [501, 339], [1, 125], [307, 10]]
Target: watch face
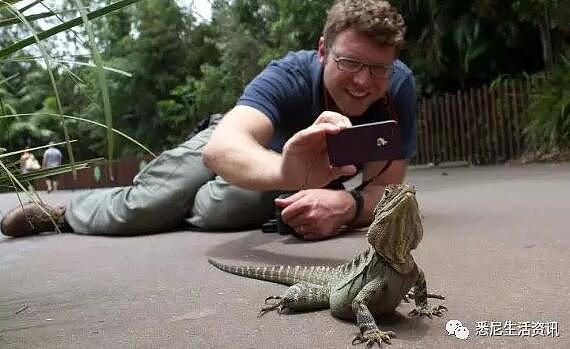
[[365, 143]]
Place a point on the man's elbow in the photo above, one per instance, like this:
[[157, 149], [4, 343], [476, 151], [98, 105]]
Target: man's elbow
[[211, 155]]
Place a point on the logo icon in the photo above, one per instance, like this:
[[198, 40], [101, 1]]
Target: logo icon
[[380, 142], [456, 328]]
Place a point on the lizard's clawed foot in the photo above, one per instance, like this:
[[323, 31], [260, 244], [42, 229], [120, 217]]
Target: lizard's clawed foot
[[370, 337], [279, 305], [428, 310], [410, 296]]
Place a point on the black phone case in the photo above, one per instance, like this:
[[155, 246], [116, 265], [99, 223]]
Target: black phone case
[[363, 143]]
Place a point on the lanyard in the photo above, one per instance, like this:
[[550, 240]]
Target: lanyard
[[388, 104]]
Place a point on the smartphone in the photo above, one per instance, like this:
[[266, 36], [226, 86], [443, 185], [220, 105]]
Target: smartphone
[[363, 143]]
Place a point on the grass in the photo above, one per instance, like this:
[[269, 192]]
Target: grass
[[548, 115]]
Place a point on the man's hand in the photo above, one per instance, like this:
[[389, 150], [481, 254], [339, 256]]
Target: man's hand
[[305, 158], [317, 213]]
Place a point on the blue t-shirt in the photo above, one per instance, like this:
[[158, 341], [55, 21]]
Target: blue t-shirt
[[289, 92], [52, 157]]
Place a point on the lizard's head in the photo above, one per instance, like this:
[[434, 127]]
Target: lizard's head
[[397, 227]]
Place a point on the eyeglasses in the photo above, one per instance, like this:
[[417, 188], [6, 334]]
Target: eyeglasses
[[350, 65]]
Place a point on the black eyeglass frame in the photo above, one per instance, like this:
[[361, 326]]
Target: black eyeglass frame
[[386, 69]]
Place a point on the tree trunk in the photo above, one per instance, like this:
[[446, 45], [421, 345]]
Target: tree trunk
[[546, 39]]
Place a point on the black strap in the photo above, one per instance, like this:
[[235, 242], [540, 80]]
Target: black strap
[[357, 196], [370, 180], [389, 105], [356, 192]]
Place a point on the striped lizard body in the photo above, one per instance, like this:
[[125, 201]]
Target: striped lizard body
[[374, 282]]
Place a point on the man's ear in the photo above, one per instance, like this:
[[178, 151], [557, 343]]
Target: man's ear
[[321, 51]]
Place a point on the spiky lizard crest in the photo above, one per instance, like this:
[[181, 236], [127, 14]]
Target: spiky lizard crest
[[397, 227]]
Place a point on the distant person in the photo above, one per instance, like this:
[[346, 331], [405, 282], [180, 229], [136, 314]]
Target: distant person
[[28, 163], [52, 158]]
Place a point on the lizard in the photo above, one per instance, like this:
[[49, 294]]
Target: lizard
[[373, 283]]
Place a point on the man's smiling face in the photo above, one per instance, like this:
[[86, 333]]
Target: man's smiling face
[[354, 92]]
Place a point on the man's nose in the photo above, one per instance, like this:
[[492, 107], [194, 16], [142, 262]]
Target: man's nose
[[363, 77]]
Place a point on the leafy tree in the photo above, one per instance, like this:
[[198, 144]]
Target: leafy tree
[[182, 70], [548, 116], [239, 50], [539, 13], [454, 45]]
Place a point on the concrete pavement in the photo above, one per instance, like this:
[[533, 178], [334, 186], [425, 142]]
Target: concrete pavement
[[496, 242]]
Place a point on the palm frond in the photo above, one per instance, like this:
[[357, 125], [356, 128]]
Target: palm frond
[[4, 154], [7, 180], [63, 26], [103, 86], [47, 61]]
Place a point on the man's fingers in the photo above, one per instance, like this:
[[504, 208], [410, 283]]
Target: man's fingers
[[313, 237], [308, 232], [284, 202], [333, 118], [290, 212], [313, 134], [347, 170], [301, 230], [321, 128]]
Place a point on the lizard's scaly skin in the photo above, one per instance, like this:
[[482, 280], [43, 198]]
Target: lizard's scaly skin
[[374, 282]]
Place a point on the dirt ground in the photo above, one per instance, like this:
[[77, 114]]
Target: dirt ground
[[496, 242]]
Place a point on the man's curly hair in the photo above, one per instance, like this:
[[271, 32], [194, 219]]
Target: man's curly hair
[[376, 18]]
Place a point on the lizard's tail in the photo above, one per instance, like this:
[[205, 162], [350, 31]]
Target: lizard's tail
[[282, 274]]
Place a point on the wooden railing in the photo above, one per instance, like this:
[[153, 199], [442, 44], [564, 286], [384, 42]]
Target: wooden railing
[[96, 177], [478, 126]]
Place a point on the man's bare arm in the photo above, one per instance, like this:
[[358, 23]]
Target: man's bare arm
[[236, 150], [372, 193]]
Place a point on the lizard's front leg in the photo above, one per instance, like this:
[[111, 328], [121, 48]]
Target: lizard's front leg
[[421, 299], [300, 296], [369, 331], [410, 296]]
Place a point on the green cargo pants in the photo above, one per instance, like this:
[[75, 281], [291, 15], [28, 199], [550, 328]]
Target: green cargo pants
[[173, 188]]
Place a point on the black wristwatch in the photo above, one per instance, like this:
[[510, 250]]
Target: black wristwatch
[[357, 195]]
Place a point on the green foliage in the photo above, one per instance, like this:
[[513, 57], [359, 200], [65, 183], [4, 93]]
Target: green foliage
[[182, 70], [455, 45], [294, 25], [533, 10], [18, 132], [548, 115], [157, 57]]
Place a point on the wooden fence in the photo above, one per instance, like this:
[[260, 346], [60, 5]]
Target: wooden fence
[[124, 170], [479, 126]]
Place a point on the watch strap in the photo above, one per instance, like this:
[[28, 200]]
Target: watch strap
[[359, 200]]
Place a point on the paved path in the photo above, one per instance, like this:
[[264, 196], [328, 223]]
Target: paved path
[[496, 243]]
